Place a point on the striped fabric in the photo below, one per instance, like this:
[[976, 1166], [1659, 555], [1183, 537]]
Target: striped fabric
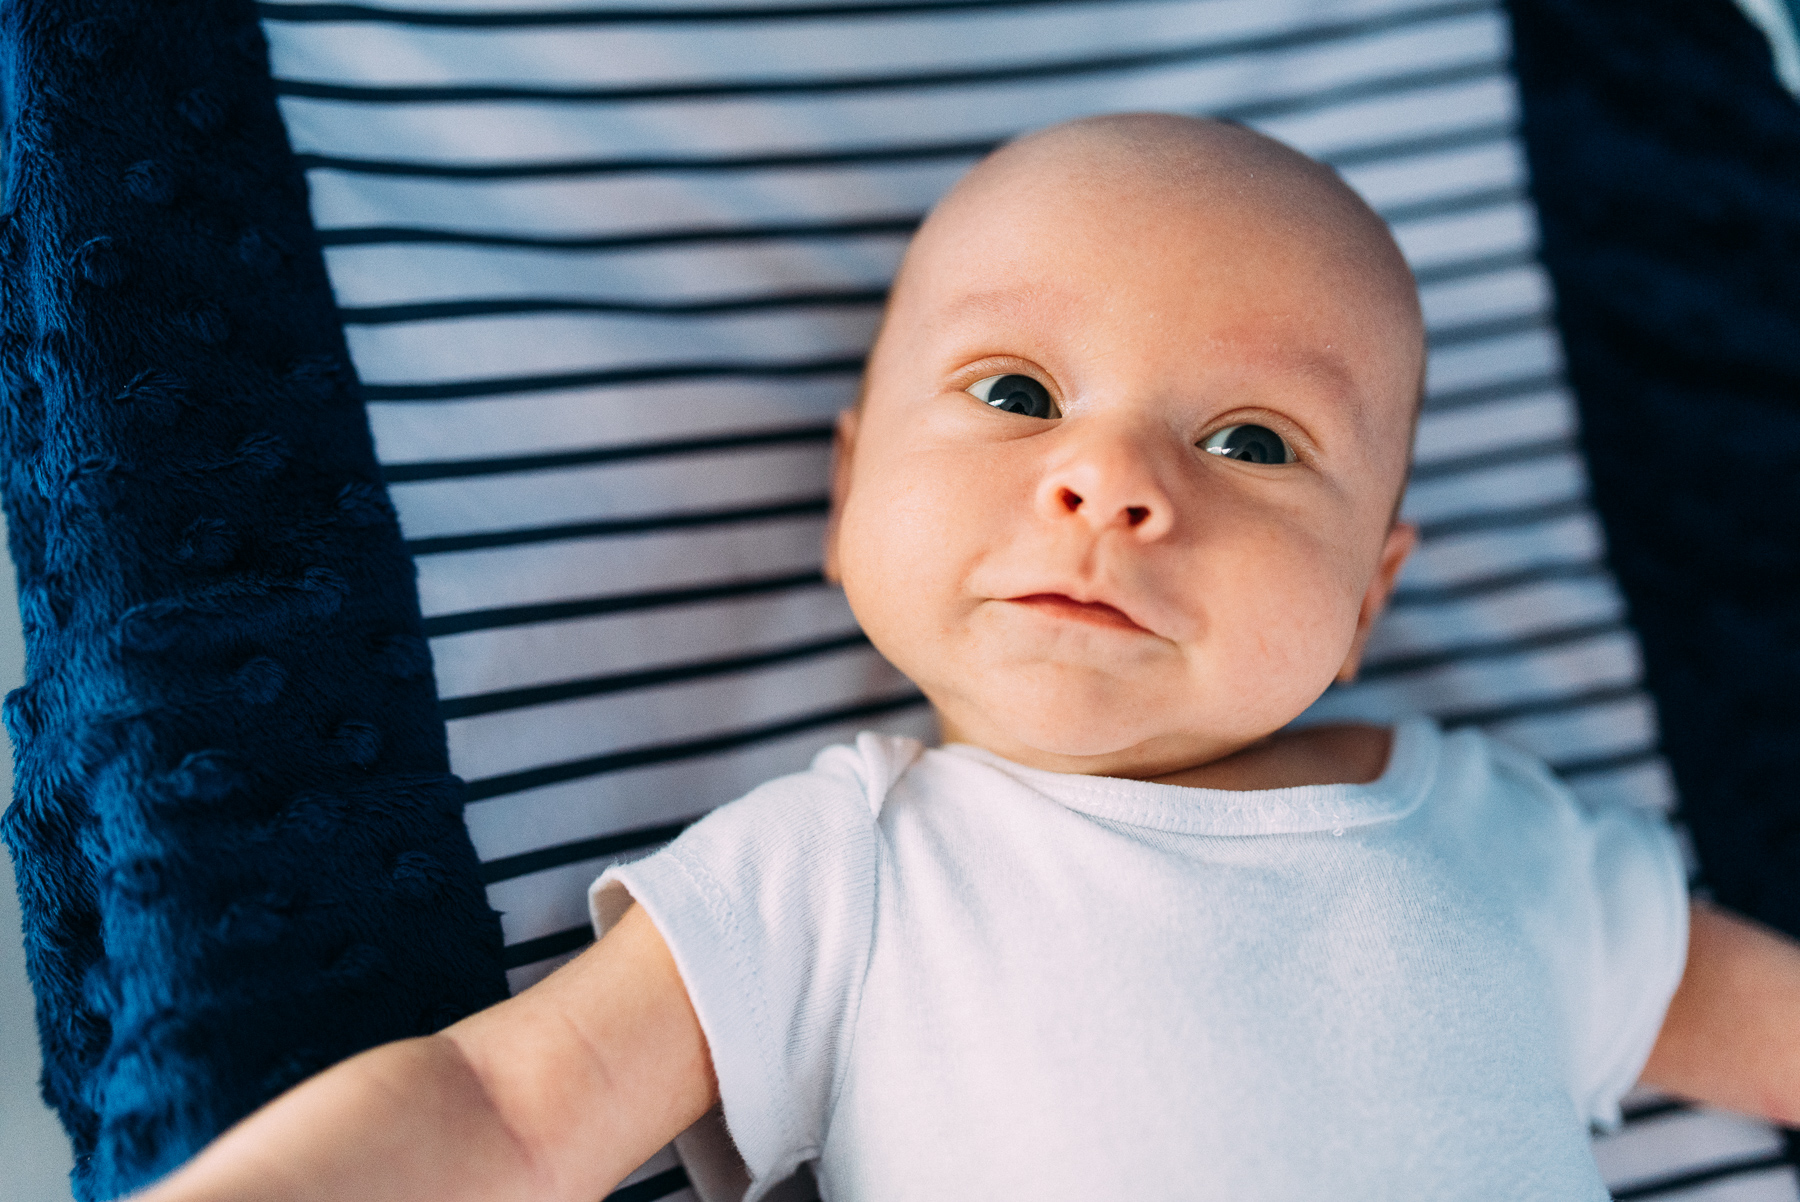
[[608, 273]]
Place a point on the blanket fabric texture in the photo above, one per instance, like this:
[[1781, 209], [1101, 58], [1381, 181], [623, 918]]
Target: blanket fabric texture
[[1665, 161], [240, 853]]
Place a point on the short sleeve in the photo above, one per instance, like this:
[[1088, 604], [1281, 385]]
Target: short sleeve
[[767, 905], [1607, 904]]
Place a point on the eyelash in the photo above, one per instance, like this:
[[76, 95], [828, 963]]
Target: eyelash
[[1033, 401], [1298, 448], [998, 365], [1255, 450]]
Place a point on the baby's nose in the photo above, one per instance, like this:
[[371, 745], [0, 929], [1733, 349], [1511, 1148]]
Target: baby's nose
[[1134, 515], [1108, 486]]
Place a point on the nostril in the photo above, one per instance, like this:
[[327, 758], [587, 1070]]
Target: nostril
[[1071, 501], [1135, 514]]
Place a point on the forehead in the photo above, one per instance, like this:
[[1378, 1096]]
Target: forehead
[[1144, 278], [1096, 257], [1084, 233]]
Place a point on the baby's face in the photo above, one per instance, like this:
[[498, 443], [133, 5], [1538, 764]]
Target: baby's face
[[1119, 494]]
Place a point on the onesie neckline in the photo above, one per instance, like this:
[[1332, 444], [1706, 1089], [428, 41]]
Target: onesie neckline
[[1185, 809]]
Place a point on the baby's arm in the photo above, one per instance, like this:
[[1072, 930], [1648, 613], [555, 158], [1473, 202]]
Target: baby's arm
[[1732, 1034], [555, 1094]]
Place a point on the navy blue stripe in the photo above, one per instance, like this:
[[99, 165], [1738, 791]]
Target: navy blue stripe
[[664, 753], [613, 377], [1460, 269], [530, 951], [508, 306], [1658, 1186], [477, 704], [553, 18], [506, 868], [655, 164], [1417, 145], [1484, 586], [1495, 390], [807, 507], [1505, 519], [383, 235], [1602, 764], [1539, 707], [1423, 661], [986, 75], [589, 607], [1444, 206], [1443, 337], [448, 469], [1645, 1111], [669, 1181], [1438, 469], [1361, 89]]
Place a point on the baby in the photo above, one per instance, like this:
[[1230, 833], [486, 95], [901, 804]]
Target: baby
[[1120, 496]]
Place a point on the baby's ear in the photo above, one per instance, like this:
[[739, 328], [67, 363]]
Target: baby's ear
[[1401, 539], [843, 448]]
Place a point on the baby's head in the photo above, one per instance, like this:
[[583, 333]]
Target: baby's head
[[1120, 493]]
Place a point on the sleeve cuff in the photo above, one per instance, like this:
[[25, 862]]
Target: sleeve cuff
[[688, 909]]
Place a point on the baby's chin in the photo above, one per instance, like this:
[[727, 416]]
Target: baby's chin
[[1064, 741], [1098, 739], [1131, 719]]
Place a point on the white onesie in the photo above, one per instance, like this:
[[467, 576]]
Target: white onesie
[[940, 975]]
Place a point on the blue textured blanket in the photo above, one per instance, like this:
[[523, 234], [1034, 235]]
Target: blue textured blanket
[[240, 856], [1665, 159], [239, 852]]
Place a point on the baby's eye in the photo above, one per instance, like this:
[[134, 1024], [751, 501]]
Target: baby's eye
[[1015, 394], [1251, 444]]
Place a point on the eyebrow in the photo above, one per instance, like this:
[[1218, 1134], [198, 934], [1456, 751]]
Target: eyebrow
[[1003, 302], [1328, 370]]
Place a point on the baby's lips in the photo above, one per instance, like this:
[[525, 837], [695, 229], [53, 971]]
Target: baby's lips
[[1097, 613], [1084, 600], [1154, 619]]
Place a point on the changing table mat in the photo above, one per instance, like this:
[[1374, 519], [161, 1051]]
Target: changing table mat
[[608, 273]]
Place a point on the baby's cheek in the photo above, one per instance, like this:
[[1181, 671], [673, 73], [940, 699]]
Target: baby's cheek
[[899, 561], [926, 513], [1285, 633]]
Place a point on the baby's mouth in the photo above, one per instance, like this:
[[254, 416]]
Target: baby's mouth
[[1094, 613]]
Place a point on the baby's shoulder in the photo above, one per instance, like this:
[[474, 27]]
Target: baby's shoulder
[[804, 843], [1478, 772], [1513, 812], [835, 801], [868, 768]]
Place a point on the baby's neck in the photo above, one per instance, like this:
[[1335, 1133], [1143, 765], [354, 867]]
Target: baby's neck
[[1348, 753], [1337, 754]]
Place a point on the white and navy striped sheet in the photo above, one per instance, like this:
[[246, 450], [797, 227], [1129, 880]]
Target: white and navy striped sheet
[[608, 271], [1668, 1150], [660, 1177]]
